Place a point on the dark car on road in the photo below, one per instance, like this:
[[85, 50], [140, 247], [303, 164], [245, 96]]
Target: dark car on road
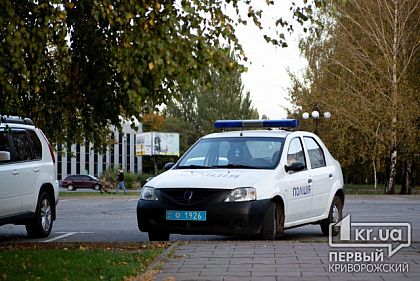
[[73, 182]]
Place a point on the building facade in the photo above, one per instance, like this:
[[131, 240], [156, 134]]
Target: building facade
[[82, 159]]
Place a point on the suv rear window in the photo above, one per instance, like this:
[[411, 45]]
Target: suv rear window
[[21, 146], [36, 145]]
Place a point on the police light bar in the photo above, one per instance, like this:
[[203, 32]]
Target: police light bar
[[284, 123]]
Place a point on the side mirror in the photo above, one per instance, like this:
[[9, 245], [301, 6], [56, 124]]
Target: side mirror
[[169, 165], [4, 156], [295, 167]]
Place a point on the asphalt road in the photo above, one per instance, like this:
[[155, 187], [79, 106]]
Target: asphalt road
[[113, 219]]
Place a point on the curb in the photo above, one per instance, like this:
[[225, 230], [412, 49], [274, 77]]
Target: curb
[[162, 258]]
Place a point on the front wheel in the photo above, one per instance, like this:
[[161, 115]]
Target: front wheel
[[158, 236], [70, 187], [334, 216], [40, 226], [97, 187], [273, 222]]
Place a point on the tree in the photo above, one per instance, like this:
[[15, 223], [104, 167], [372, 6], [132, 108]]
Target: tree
[[78, 66], [218, 95], [360, 68]]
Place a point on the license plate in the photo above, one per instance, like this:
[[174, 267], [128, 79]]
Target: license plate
[[186, 215]]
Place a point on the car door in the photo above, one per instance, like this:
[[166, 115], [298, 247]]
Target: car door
[[26, 170], [86, 181], [9, 195], [78, 181], [321, 176], [298, 184]]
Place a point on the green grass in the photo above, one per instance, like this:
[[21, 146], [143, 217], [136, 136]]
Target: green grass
[[97, 194], [356, 189], [74, 264]]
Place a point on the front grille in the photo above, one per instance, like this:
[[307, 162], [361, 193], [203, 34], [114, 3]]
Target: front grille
[[182, 196]]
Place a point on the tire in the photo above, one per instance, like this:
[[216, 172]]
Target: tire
[[70, 187], [273, 222], [40, 226], [97, 187], [334, 216], [158, 236]]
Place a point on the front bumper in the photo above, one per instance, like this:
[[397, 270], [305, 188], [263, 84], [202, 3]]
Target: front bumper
[[223, 218]]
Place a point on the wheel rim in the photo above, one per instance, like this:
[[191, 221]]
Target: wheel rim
[[70, 187], [335, 214], [96, 187], [45, 214]]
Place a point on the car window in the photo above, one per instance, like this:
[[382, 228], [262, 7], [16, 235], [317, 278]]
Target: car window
[[36, 145], [4, 143], [295, 152], [21, 146], [234, 152], [316, 155]]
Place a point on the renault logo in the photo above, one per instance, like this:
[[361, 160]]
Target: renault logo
[[188, 195]]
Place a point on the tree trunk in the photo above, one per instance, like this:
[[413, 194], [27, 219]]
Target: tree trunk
[[407, 180], [390, 187], [394, 97], [403, 190], [375, 177]]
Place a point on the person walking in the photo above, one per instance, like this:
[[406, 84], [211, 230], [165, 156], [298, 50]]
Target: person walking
[[120, 180]]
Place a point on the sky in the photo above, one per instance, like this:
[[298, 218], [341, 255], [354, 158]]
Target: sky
[[267, 78]]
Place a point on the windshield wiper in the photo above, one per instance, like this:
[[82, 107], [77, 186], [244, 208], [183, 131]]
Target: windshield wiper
[[192, 167], [235, 166]]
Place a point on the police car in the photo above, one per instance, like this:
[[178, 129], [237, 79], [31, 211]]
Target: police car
[[246, 182]]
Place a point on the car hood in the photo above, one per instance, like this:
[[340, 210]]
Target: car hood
[[208, 178]]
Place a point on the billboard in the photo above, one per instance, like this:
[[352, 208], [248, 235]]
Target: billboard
[[157, 143]]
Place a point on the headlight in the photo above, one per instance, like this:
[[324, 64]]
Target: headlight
[[148, 193], [242, 194]]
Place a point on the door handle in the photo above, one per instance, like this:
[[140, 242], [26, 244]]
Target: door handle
[[330, 176], [309, 180], [15, 172], [36, 170]]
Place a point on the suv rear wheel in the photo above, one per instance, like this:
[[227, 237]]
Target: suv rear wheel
[[40, 226]]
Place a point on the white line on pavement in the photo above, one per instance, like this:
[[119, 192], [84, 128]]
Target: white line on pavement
[[66, 234]]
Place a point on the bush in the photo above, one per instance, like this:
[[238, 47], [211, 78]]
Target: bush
[[131, 180]]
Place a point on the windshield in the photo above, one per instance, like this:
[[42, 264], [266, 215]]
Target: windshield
[[237, 152]]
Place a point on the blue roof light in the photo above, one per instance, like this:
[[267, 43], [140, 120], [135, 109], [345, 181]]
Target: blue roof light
[[284, 123]]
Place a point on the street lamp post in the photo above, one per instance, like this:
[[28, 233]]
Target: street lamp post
[[315, 115]]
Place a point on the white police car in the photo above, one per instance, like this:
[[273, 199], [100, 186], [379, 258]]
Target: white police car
[[249, 182]]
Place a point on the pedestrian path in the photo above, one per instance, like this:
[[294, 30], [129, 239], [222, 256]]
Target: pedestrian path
[[271, 261]]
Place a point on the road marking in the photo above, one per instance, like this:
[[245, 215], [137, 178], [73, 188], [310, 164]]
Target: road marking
[[66, 234]]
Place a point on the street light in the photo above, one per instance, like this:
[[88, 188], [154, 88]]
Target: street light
[[315, 115]]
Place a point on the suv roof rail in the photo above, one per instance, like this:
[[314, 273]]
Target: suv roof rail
[[15, 120]]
